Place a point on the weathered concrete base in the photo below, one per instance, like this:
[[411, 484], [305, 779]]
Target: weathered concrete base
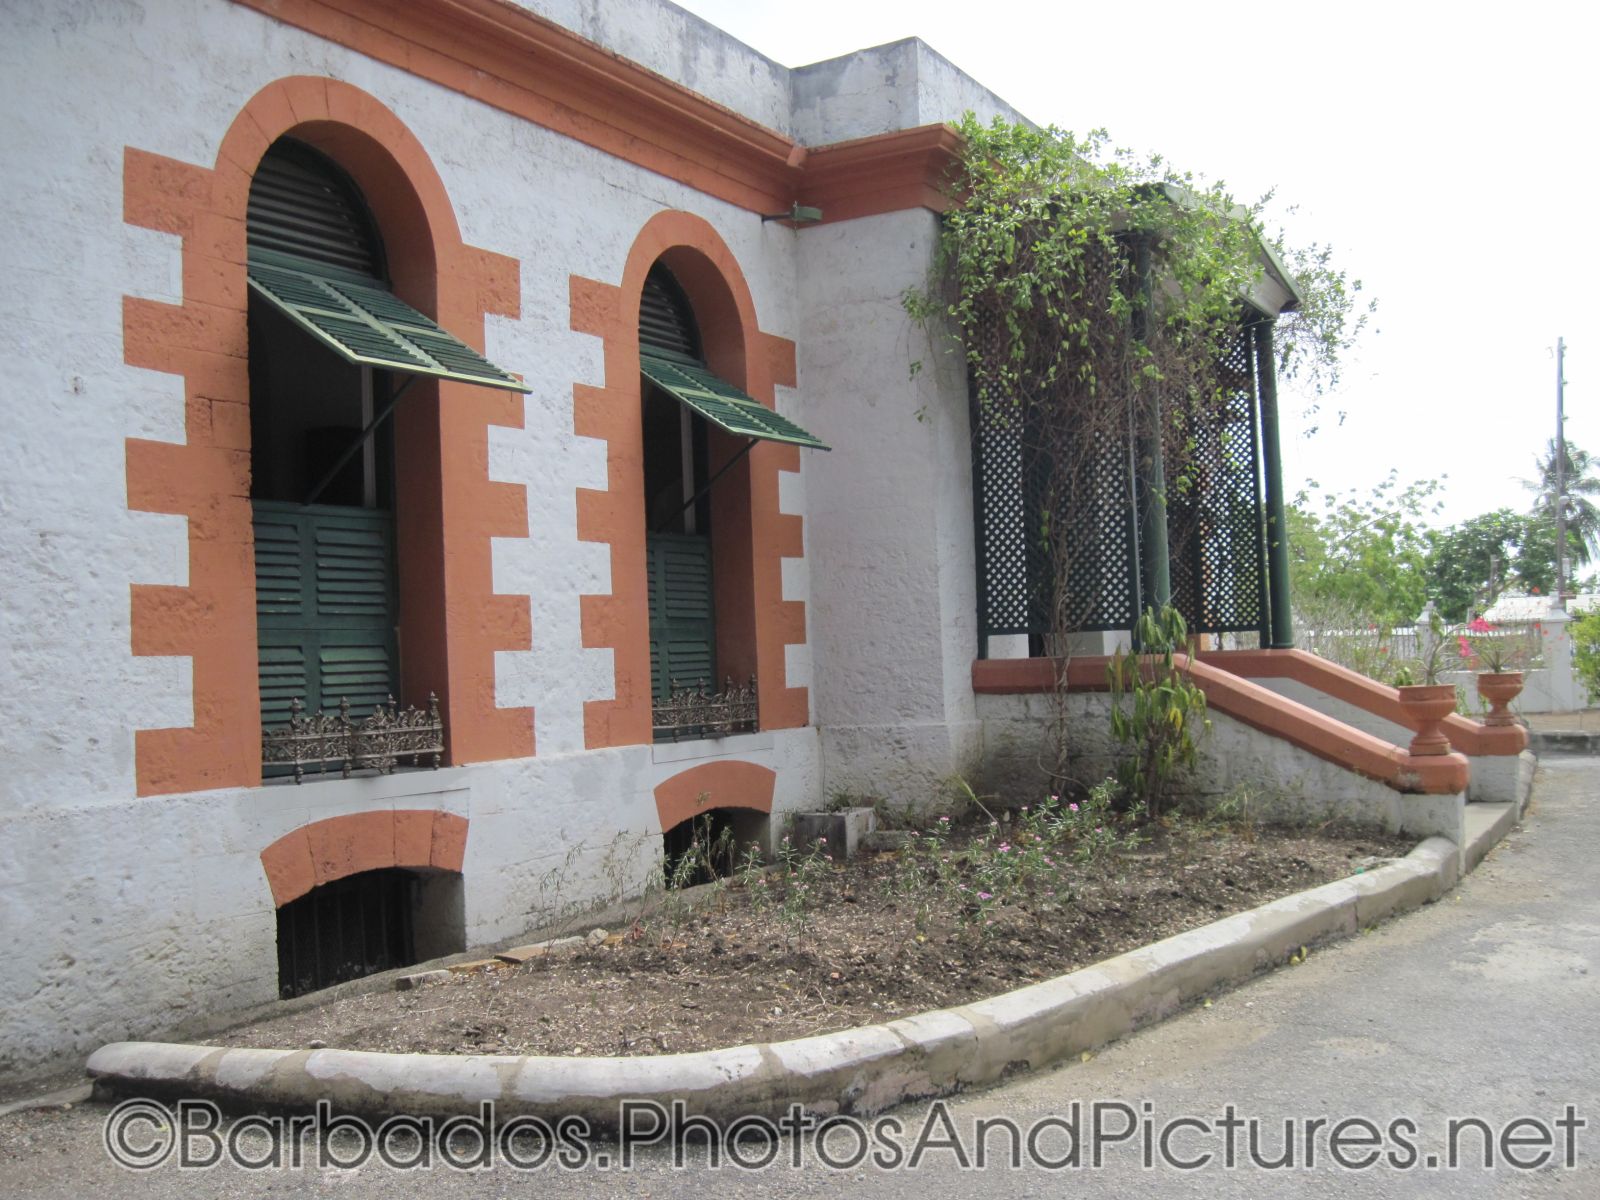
[[1236, 764], [860, 1071], [1503, 780], [845, 830], [1496, 778]]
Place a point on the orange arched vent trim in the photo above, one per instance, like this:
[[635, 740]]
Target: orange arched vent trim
[[714, 785], [339, 846]]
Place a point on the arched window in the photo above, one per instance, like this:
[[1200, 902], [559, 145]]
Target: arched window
[[332, 352], [686, 408], [683, 646]]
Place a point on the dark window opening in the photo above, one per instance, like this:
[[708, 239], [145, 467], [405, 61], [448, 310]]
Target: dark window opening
[[307, 407], [675, 471], [344, 930], [366, 923], [677, 504], [326, 578]]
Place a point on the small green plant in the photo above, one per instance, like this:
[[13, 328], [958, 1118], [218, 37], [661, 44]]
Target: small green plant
[[1240, 811], [1157, 710], [704, 860], [1436, 651], [1024, 857], [751, 876], [1497, 651], [1492, 656], [802, 876]]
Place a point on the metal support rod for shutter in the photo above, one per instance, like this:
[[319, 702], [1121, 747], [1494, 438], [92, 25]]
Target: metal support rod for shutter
[[361, 440], [695, 499]]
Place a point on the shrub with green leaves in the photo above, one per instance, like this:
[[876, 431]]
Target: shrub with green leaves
[[1157, 710], [1585, 635]]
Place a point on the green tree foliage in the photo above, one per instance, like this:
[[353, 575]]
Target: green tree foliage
[[1370, 560], [1157, 711], [1585, 635], [1581, 486], [1363, 554], [1471, 563], [1096, 297]]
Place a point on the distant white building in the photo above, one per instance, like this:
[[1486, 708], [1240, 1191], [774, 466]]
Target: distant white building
[[1520, 608]]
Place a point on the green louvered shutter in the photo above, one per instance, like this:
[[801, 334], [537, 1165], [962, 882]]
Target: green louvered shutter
[[719, 402], [682, 628], [325, 607]]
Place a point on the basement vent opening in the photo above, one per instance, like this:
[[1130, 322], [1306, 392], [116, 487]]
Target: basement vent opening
[[366, 923], [711, 845]]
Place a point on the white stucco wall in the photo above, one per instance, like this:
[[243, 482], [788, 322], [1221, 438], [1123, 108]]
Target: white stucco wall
[[1495, 779], [683, 47], [889, 517], [122, 916], [1281, 781], [900, 85]]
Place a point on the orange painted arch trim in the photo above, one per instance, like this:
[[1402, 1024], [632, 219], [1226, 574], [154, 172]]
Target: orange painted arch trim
[[725, 784], [761, 623], [206, 477], [1254, 705], [502, 55], [323, 851]]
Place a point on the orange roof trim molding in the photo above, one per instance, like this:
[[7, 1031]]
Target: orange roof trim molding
[[511, 59]]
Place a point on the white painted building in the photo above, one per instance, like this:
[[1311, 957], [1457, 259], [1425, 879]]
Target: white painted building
[[484, 355], [515, 173]]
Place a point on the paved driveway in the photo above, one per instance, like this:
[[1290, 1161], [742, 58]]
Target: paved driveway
[[1484, 1010]]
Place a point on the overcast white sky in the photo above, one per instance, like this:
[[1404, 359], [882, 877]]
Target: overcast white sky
[[1447, 151]]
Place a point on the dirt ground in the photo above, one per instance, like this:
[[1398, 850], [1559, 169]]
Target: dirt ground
[[854, 949]]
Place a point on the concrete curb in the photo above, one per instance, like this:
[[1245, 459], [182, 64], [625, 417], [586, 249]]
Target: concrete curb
[[60, 1098], [1486, 825], [860, 1071]]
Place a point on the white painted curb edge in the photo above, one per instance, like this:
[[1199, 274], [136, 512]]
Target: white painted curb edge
[[860, 1071]]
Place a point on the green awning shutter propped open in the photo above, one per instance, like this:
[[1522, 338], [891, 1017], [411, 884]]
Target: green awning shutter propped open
[[719, 402], [370, 326]]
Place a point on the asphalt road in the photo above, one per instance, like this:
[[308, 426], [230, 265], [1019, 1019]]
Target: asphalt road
[[1483, 1009]]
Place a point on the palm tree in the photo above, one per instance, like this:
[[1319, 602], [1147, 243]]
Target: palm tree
[[1580, 482]]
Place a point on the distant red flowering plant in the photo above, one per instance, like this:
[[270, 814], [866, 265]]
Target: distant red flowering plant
[[1500, 652]]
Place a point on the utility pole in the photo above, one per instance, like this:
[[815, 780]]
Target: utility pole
[[1561, 476]]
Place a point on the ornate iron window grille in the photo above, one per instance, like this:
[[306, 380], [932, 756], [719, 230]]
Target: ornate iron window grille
[[694, 712], [325, 741]]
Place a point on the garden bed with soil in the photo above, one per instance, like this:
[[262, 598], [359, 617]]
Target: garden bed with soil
[[810, 946]]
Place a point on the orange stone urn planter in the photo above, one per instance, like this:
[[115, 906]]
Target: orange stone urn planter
[[1500, 688], [1426, 706]]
